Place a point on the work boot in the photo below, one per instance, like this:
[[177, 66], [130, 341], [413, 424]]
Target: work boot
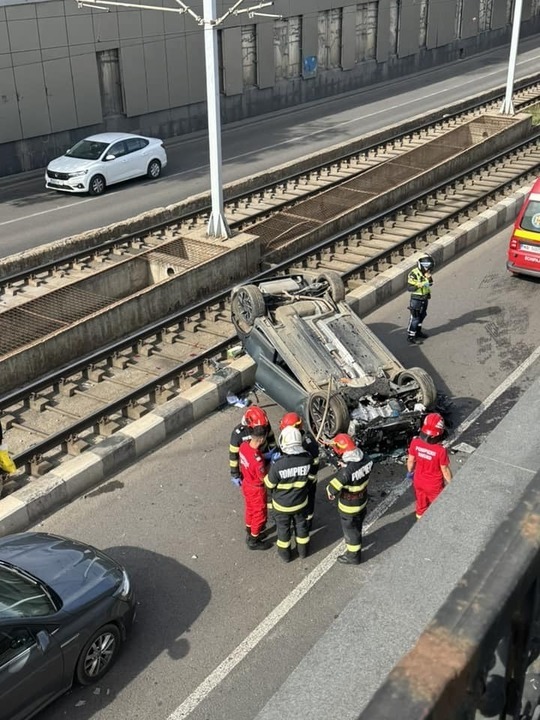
[[421, 334], [303, 551], [284, 554], [255, 543], [349, 558], [413, 340]]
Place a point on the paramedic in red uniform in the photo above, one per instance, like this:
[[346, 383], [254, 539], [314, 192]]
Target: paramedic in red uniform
[[253, 468], [428, 463]]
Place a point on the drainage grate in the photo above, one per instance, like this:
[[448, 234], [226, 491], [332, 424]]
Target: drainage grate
[[191, 252]]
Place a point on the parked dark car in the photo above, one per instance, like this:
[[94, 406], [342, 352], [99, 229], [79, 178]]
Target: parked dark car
[[65, 609], [316, 357]]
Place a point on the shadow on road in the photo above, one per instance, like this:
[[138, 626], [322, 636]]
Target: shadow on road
[[170, 598]]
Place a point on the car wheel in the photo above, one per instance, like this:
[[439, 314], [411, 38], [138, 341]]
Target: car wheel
[[154, 169], [247, 305], [336, 287], [327, 416], [98, 655], [97, 185], [428, 391]]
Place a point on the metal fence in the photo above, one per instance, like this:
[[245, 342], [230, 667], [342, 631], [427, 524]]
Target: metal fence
[[480, 655]]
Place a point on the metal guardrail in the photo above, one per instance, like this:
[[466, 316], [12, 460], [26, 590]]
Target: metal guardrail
[[480, 655]]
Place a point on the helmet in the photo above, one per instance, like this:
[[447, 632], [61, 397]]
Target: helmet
[[291, 419], [433, 425], [254, 417], [343, 443], [290, 440], [426, 263]]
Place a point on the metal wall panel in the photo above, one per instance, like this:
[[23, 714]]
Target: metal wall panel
[[33, 110], [196, 67], [348, 38], [80, 29], [265, 54], [232, 61], [130, 24], [383, 31], [469, 24], [86, 89], [105, 26], [134, 79], [23, 35], [409, 28], [155, 64], [175, 52], [310, 36], [10, 124], [52, 32], [60, 97], [441, 23]]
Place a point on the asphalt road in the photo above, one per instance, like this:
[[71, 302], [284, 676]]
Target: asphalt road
[[219, 628], [31, 216]]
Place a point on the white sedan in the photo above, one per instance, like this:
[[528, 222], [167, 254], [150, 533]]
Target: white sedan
[[101, 160]]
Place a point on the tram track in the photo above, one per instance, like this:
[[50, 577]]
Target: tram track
[[76, 407]]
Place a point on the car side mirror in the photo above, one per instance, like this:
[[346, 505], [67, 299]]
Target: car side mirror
[[43, 640], [110, 157]]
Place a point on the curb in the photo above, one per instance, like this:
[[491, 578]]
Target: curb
[[75, 477]]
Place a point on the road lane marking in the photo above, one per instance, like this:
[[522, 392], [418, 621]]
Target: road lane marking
[[44, 212], [281, 610]]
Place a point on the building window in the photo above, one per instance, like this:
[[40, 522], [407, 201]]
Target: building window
[[288, 48], [110, 83], [249, 55], [423, 23], [395, 10], [484, 15], [535, 7], [509, 11], [366, 31], [329, 31], [459, 18]]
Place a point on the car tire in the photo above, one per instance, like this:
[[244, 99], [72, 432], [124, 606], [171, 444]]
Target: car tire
[[336, 287], [247, 305], [154, 169], [98, 655], [97, 185], [336, 419], [428, 391]]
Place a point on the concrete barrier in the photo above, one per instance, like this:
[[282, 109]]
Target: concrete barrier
[[78, 475]]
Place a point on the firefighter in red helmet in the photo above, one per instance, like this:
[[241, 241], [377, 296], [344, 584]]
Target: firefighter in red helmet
[[349, 485], [309, 444], [254, 416], [428, 464]]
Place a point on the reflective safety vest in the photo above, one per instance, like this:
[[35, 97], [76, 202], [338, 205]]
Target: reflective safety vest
[[416, 283], [350, 485], [288, 481]]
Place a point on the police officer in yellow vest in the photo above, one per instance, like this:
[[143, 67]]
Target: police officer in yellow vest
[[419, 282]]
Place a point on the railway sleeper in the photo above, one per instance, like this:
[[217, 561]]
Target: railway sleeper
[[134, 410], [74, 445]]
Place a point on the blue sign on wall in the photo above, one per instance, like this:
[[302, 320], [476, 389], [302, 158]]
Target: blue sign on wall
[[310, 66]]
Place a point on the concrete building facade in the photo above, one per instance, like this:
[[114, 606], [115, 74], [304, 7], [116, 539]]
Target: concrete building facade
[[69, 71]]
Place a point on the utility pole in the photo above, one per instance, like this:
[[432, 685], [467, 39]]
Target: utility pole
[[217, 225], [507, 107]]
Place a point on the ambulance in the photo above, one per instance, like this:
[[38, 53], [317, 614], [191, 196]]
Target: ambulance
[[524, 248]]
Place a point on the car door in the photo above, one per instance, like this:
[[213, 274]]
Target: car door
[[116, 167], [138, 152], [30, 675]]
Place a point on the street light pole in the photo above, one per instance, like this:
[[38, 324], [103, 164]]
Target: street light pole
[[217, 225], [507, 107]]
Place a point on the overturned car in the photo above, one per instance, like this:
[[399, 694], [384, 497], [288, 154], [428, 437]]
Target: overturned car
[[316, 357]]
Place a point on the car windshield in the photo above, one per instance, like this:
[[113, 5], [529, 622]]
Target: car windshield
[[21, 596], [87, 150], [531, 217]]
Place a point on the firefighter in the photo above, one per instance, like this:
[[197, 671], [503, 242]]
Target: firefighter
[[349, 485], [428, 465], [419, 282], [288, 481], [253, 417], [253, 470], [309, 444]]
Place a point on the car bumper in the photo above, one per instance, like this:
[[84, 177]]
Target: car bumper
[[73, 185], [520, 270]]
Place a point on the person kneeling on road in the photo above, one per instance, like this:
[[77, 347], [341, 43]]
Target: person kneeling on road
[[288, 481], [349, 485], [253, 470], [428, 465]]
